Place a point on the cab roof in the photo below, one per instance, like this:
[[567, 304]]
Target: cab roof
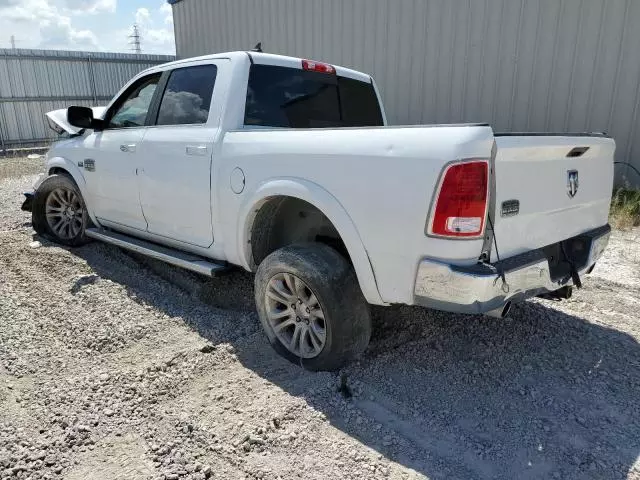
[[261, 58]]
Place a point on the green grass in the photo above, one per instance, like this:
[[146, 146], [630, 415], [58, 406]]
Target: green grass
[[625, 209]]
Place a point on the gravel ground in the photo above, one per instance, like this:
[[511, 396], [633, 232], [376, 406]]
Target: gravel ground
[[116, 367]]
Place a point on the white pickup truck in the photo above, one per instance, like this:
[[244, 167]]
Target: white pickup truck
[[285, 167]]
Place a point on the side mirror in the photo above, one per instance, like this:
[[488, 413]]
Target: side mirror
[[82, 117]]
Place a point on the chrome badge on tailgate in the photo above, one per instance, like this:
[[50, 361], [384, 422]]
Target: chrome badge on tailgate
[[510, 208]]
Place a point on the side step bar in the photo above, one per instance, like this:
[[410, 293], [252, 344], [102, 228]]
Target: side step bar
[[168, 255]]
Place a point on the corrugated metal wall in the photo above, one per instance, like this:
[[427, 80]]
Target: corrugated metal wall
[[521, 65], [33, 82]]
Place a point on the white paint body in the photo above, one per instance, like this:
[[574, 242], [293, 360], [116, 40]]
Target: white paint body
[[376, 185]]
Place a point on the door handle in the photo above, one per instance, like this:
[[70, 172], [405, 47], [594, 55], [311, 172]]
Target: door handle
[[130, 147], [198, 150]]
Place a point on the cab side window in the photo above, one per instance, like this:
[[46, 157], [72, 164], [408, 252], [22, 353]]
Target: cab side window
[[131, 109], [187, 97]]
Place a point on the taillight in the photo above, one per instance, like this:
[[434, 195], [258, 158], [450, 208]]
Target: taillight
[[312, 66], [460, 208]]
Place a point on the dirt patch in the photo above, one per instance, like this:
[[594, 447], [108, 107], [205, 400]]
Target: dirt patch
[[115, 367], [16, 167]]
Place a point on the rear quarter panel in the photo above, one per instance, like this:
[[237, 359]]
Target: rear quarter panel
[[382, 178]]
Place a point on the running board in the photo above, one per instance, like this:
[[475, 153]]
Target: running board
[[164, 254]]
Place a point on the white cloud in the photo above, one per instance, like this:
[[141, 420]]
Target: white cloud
[[85, 37], [47, 25], [156, 29], [57, 32], [143, 16], [159, 36], [27, 11], [91, 6], [166, 9], [63, 24]]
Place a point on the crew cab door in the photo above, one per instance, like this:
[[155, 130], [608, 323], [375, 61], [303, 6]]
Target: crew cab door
[[175, 168], [110, 157]]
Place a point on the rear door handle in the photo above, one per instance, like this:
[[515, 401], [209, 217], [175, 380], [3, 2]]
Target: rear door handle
[[130, 147], [198, 150]]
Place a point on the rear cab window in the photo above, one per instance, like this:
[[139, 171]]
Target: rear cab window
[[287, 97]]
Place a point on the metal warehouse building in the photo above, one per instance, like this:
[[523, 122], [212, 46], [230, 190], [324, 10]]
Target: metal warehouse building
[[520, 65]]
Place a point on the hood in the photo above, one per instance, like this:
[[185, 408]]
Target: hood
[[57, 120]]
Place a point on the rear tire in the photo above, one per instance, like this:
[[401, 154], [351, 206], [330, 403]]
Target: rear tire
[[311, 307], [59, 211]]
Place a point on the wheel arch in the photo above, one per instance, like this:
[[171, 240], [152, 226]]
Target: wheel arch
[[62, 166], [329, 206]]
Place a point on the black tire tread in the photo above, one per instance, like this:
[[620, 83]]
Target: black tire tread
[[38, 220], [334, 282]]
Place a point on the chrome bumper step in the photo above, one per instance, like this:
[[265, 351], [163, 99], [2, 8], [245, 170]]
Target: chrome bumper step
[[482, 288], [168, 255]]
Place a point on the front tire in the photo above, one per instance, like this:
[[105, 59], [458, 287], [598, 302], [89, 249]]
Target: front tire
[[311, 307], [59, 211]]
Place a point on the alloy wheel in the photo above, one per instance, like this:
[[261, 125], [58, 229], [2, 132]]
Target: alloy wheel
[[295, 315], [64, 213]]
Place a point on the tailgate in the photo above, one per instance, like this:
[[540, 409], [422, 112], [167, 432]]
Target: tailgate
[[549, 188]]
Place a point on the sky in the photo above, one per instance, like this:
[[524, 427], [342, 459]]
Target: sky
[[90, 25]]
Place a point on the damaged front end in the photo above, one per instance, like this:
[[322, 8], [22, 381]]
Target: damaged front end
[[58, 122], [27, 205]]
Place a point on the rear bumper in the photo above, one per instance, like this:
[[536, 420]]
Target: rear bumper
[[27, 205], [480, 289]]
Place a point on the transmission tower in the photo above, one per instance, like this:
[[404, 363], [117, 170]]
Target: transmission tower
[[136, 38]]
